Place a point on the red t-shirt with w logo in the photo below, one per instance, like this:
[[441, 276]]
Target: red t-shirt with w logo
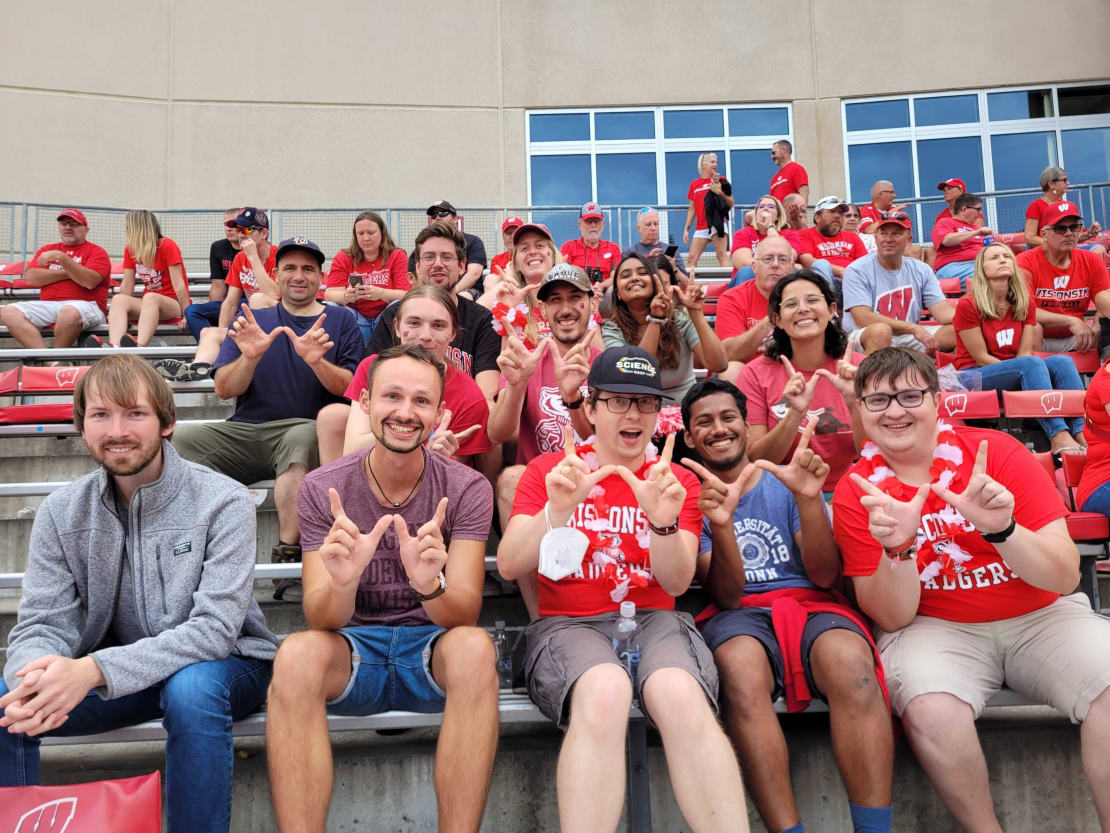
[[1002, 335]]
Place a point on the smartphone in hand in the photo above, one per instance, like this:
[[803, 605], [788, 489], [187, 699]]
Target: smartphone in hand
[[671, 250], [355, 280]]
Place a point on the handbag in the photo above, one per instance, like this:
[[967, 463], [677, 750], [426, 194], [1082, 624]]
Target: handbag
[[133, 805]]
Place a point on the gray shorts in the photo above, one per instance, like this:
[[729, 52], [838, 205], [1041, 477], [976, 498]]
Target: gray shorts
[[562, 648], [248, 451]]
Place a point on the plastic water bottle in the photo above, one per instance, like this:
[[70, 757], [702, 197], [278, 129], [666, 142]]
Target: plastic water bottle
[[626, 642], [504, 655]]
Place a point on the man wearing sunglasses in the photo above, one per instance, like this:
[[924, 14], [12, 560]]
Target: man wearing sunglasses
[[956, 543], [959, 239], [1064, 279], [633, 524], [475, 262]]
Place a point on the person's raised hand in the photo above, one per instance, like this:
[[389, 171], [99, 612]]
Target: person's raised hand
[[249, 337], [248, 247], [509, 292], [891, 522], [844, 378], [798, 392], [662, 304], [517, 362], [805, 474], [423, 555], [986, 503], [346, 551], [570, 482], [572, 369], [717, 499], [693, 297], [660, 494], [314, 344], [445, 441]]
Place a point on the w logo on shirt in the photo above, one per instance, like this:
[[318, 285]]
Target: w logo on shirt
[[1061, 281], [1052, 402], [1004, 338], [896, 303]]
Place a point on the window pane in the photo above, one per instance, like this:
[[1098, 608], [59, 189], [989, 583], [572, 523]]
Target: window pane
[[559, 127], [758, 121], [561, 180], [624, 125], [752, 171], [692, 124], [946, 109], [877, 115], [626, 179], [1027, 104], [1087, 154], [1084, 101], [885, 160], [941, 159], [1019, 158]]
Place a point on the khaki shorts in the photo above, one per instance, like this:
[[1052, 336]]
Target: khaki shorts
[[562, 648], [248, 451], [898, 340], [44, 313], [1058, 655]]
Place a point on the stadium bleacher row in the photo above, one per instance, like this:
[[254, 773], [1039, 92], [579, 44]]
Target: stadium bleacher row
[[35, 406]]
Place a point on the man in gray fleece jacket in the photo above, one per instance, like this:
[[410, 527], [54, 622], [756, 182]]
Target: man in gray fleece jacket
[[137, 602]]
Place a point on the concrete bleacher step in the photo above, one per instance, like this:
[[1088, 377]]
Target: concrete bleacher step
[[385, 783]]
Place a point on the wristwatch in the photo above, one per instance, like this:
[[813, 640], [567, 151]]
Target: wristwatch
[[435, 594]]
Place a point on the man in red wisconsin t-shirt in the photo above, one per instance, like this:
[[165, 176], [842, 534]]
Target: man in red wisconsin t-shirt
[[935, 529], [634, 525], [825, 247], [72, 276], [791, 178], [1063, 280]]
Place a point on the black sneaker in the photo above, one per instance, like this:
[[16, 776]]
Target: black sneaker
[[92, 340], [171, 369], [128, 340]]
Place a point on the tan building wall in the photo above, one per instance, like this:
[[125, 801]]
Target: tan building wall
[[194, 103]]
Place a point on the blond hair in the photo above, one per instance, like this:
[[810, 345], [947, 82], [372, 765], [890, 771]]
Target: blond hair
[[780, 221], [1017, 292], [142, 234], [702, 158], [531, 330]]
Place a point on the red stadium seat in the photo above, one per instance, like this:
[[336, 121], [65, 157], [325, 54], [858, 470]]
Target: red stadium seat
[[1033, 404], [1085, 362], [944, 359], [26, 414], [976, 404], [9, 381], [950, 287], [713, 291], [12, 268], [50, 379]]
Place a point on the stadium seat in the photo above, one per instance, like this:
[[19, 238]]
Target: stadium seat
[[1086, 361], [976, 404], [713, 291], [26, 414], [1035, 404]]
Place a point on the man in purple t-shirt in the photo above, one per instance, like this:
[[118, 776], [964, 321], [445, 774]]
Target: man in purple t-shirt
[[394, 545]]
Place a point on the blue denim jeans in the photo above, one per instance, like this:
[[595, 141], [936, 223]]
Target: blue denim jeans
[[1036, 373], [962, 269], [390, 669], [1099, 500], [743, 274], [199, 316], [197, 706], [365, 325]]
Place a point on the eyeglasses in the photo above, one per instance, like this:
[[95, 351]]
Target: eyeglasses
[[1061, 179], [766, 206], [621, 404], [767, 260], [878, 402], [428, 258], [441, 214], [1070, 227]]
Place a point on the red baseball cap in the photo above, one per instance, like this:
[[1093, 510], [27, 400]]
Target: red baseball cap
[[511, 222], [590, 209], [954, 182], [1060, 210], [538, 228], [897, 218], [75, 215]]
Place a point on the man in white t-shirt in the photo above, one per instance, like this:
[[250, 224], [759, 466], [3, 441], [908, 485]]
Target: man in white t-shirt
[[885, 292]]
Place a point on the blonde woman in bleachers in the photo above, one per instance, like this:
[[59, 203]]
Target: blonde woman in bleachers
[[157, 261], [995, 325], [709, 181]]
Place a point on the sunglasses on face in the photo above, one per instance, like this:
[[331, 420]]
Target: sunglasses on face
[[1062, 229], [439, 215]]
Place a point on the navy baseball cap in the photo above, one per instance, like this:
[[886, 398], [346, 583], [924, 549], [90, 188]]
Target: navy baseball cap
[[252, 218], [299, 244], [629, 369]]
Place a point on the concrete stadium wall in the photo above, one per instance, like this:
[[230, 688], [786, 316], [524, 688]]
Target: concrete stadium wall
[[173, 104]]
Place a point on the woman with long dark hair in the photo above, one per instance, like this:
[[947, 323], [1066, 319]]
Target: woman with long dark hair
[[667, 321], [805, 373]]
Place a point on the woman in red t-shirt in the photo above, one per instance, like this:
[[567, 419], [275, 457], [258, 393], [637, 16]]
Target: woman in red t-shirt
[[994, 326], [427, 316], [801, 376], [157, 261], [369, 273], [708, 181]]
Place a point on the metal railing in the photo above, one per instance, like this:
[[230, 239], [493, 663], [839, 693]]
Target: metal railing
[[24, 227]]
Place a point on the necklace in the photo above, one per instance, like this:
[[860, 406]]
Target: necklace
[[398, 503]]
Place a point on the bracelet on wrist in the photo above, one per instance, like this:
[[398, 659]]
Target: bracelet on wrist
[[651, 319], [574, 404], [903, 551], [1000, 536], [664, 530]]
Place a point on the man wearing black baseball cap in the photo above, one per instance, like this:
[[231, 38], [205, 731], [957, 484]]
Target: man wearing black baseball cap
[[281, 365], [608, 524], [476, 261]]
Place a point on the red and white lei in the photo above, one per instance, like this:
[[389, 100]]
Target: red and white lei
[[947, 458]]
